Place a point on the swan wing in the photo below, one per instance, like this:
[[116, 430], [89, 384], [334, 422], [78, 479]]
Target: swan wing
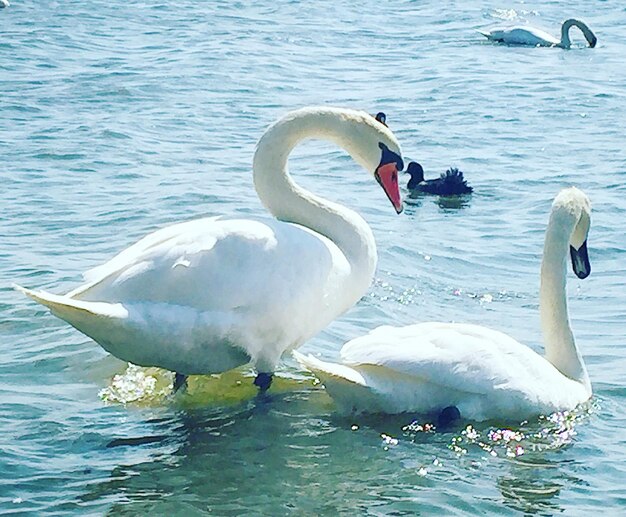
[[221, 264], [521, 36], [531, 36], [340, 373], [133, 253], [426, 367], [353, 390], [460, 357]]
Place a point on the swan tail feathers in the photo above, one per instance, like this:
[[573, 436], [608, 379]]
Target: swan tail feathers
[[325, 372], [76, 312]]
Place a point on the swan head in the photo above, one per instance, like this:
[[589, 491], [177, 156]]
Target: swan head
[[592, 40], [366, 139], [387, 175], [372, 144], [574, 208]]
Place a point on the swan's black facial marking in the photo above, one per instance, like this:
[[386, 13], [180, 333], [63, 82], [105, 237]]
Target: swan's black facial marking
[[389, 156], [580, 260]]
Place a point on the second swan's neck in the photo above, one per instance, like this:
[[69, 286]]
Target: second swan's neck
[[567, 24], [289, 202], [560, 347]]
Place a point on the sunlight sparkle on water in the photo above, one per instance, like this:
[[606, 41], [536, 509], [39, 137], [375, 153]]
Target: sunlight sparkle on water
[[416, 427], [388, 441], [135, 384], [546, 433]]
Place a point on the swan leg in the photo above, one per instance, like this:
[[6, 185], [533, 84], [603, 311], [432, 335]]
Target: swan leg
[[180, 381], [448, 416], [263, 381]]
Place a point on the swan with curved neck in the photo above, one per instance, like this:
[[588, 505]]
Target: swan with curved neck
[[477, 372], [208, 295], [538, 38]]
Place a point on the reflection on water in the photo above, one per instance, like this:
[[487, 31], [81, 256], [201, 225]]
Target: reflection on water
[[414, 200], [524, 492], [290, 450], [147, 387], [453, 202], [218, 459]]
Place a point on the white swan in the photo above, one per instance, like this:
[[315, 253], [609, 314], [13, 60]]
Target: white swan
[[482, 373], [208, 295], [538, 38]]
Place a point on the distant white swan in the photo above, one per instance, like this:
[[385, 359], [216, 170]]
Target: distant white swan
[[208, 295], [480, 373], [536, 37]]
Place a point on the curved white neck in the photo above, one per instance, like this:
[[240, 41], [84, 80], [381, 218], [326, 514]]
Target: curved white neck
[[560, 347], [291, 203]]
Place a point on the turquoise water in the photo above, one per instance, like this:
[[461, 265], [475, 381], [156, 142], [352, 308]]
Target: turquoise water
[[117, 118]]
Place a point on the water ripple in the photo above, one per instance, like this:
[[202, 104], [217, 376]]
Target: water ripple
[[118, 118]]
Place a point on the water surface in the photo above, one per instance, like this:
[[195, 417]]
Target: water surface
[[117, 118]]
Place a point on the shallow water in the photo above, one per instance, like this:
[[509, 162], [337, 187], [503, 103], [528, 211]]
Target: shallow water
[[118, 118]]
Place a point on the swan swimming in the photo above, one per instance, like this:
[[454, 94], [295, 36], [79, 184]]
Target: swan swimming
[[483, 373], [449, 183], [538, 38], [208, 295]]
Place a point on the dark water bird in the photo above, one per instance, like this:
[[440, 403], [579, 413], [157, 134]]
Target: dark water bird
[[381, 117], [450, 183]]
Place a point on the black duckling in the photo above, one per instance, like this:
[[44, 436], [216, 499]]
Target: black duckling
[[450, 183], [381, 117]]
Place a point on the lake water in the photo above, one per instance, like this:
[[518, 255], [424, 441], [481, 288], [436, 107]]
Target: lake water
[[117, 118]]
